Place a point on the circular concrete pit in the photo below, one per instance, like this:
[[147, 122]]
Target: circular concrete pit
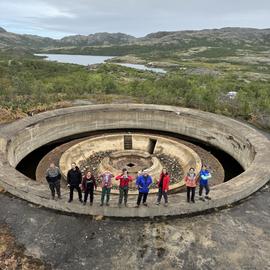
[[246, 145], [136, 159]]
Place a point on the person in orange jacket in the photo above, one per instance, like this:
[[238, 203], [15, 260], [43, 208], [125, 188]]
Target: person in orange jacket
[[163, 185], [191, 180]]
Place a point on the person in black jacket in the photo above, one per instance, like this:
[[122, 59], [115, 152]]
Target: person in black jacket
[[74, 179], [88, 186], [53, 177]]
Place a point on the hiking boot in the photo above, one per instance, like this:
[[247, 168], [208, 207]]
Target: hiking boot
[[202, 199], [84, 203], [107, 204], [69, 201], [145, 204], [91, 203], [101, 204], [193, 201], [207, 197]]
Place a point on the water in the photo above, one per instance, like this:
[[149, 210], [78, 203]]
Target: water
[[86, 60], [143, 67]]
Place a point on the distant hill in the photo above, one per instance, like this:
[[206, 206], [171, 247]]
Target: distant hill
[[233, 35], [8, 39], [224, 37], [98, 39]]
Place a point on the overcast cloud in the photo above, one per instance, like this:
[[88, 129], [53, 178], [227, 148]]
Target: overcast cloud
[[57, 18]]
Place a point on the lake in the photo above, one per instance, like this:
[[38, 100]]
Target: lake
[[86, 60]]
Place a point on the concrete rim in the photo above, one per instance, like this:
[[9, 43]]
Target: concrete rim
[[248, 146]]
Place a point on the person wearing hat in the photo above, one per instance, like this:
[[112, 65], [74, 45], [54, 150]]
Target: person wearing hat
[[143, 182], [124, 179]]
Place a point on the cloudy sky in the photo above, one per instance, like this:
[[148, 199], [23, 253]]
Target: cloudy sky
[[57, 18]]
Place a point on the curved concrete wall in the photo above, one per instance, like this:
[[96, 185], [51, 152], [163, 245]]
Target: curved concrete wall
[[250, 148], [31, 133]]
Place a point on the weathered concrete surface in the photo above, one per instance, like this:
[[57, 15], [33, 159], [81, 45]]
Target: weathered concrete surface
[[250, 148], [232, 239], [55, 155], [185, 156]]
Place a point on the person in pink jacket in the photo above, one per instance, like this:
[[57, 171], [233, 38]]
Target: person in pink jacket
[[191, 180], [106, 185]]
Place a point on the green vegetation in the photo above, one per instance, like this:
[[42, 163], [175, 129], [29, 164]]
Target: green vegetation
[[29, 83], [203, 66]]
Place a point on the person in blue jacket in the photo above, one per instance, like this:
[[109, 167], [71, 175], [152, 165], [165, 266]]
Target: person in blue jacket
[[205, 175], [143, 182]]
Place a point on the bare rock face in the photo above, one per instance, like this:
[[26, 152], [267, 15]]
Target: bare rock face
[[98, 39]]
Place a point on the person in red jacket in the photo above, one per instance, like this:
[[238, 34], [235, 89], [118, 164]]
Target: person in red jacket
[[124, 179], [88, 185], [191, 180], [163, 185]]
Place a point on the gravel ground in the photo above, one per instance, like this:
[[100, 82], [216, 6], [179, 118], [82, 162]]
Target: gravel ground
[[231, 239]]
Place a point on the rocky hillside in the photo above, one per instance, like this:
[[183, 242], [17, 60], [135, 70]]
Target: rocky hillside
[[8, 39], [233, 35], [225, 38], [97, 39]]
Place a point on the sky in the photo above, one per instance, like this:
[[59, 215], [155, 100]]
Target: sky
[[58, 18]]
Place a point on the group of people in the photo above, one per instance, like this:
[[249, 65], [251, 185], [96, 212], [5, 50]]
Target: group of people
[[86, 183]]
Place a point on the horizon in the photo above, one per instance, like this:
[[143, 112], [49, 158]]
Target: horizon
[[168, 31], [57, 19]]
